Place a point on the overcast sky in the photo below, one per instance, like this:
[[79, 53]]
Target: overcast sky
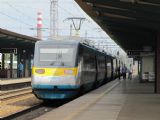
[[21, 16]]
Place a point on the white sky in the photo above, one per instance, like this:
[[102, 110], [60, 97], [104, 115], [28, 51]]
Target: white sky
[[21, 15]]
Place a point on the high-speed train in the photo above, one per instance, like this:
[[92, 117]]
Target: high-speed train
[[64, 68]]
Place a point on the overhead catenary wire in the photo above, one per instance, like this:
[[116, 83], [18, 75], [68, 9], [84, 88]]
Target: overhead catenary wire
[[31, 18], [19, 11], [15, 19], [79, 11], [72, 15], [22, 13]]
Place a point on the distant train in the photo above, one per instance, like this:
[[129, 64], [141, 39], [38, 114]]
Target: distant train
[[64, 68]]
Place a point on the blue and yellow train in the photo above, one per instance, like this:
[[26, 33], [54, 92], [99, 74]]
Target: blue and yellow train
[[64, 68]]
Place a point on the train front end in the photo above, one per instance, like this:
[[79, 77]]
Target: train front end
[[54, 73]]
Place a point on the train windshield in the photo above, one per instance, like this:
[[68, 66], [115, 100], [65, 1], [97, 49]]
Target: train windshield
[[56, 56]]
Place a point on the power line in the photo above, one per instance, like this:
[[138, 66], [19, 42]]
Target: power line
[[65, 10], [15, 19], [75, 4], [19, 11]]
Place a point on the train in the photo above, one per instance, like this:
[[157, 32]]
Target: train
[[63, 69]]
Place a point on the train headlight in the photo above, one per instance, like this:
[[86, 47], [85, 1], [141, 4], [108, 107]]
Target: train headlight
[[69, 72], [40, 71]]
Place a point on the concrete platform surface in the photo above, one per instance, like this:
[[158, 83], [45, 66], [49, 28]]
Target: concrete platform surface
[[14, 81], [118, 100]]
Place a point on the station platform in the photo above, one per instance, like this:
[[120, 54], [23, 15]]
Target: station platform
[[117, 100], [8, 85], [14, 81]]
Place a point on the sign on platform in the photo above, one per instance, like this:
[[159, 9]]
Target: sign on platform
[[8, 50], [133, 53]]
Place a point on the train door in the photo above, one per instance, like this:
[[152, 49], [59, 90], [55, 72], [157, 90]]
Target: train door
[[101, 68], [109, 68], [88, 67]]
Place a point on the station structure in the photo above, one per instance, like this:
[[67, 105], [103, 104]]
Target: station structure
[[14, 48], [134, 25], [128, 22]]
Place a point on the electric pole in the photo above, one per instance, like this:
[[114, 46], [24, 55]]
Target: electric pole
[[77, 23], [53, 18]]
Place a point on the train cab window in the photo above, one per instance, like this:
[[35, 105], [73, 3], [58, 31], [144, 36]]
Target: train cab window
[[56, 56], [52, 54]]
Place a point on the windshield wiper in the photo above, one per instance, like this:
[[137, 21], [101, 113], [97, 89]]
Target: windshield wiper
[[57, 63], [52, 63]]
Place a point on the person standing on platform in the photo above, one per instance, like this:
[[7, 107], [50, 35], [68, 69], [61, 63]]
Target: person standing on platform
[[124, 71], [20, 69], [130, 71], [119, 73]]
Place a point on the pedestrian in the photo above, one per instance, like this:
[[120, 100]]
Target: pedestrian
[[0, 65], [119, 72], [20, 69], [124, 71], [130, 71]]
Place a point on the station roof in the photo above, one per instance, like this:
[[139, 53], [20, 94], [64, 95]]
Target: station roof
[[10, 39], [133, 24]]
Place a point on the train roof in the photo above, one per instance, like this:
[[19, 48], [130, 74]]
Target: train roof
[[74, 41], [58, 41]]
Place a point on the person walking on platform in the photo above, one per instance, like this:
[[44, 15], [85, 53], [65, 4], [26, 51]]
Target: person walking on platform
[[20, 69], [124, 71]]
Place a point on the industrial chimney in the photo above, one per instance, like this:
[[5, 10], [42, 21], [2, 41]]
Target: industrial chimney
[[39, 25]]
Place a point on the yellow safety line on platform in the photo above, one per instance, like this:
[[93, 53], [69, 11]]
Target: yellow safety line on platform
[[87, 105]]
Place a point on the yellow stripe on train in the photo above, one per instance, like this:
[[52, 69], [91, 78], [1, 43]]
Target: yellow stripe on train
[[54, 71]]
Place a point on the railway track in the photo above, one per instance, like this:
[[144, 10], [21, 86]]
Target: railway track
[[21, 104], [17, 101], [34, 111], [27, 114], [4, 95]]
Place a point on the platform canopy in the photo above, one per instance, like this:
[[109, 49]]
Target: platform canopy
[[10, 39], [133, 24]]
